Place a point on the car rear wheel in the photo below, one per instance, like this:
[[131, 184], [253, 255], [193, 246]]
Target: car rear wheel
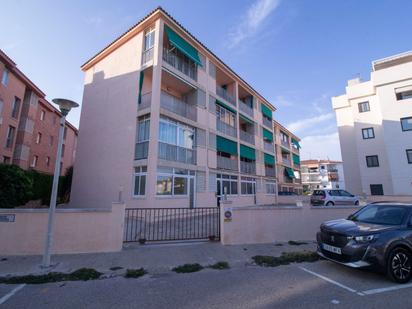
[[330, 203], [399, 265]]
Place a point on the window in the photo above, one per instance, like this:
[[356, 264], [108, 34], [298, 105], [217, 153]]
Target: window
[[15, 108], [63, 148], [5, 77], [34, 161], [247, 185], [368, 133], [51, 140], [363, 107], [149, 37], [284, 138], [404, 95], [173, 181], [42, 115], [47, 161], [270, 187], [175, 133], [65, 133], [372, 161], [38, 138], [1, 106], [409, 155], [54, 119], [142, 137], [10, 137], [225, 116], [226, 184], [376, 189], [406, 124], [140, 180]]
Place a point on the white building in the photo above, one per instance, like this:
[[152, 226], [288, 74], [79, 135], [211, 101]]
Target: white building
[[375, 129], [322, 174]]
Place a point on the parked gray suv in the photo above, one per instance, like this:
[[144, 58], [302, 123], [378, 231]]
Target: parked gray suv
[[328, 197]]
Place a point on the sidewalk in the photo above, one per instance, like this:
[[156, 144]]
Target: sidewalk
[[155, 258]]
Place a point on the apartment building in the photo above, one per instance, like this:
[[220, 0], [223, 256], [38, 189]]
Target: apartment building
[[29, 124], [165, 123], [375, 129], [287, 160], [322, 174]]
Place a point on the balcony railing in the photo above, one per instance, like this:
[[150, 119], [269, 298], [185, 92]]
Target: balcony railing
[[225, 128], [248, 167], [247, 137], [286, 161], [227, 163], [285, 144], [176, 153], [223, 93], [141, 150], [177, 106], [268, 147], [146, 101], [267, 122], [245, 108], [147, 55], [270, 171], [181, 64]]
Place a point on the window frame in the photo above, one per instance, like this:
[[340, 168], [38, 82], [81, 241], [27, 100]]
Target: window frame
[[150, 34], [367, 131], [42, 115], [248, 181], [15, 108], [361, 106], [38, 138], [10, 139], [177, 126], [230, 179], [372, 156], [5, 77], [409, 156], [271, 184], [34, 161], [139, 171], [173, 174], [405, 118]]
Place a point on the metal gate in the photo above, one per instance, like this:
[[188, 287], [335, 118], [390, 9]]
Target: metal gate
[[167, 224]]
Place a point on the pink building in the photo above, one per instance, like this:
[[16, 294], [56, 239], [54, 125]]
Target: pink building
[[29, 124]]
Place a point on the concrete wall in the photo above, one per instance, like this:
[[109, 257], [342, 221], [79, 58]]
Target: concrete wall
[[75, 231], [268, 224]]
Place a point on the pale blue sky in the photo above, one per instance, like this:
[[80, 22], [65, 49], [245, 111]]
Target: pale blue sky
[[297, 53]]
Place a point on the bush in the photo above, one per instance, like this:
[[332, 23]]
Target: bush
[[286, 258], [135, 273], [42, 186], [16, 186], [188, 268], [220, 265]]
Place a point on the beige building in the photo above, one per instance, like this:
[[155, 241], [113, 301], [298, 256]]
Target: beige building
[[287, 160], [322, 174], [375, 129], [165, 123]]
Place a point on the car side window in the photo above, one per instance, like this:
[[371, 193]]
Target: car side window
[[345, 193], [334, 192]]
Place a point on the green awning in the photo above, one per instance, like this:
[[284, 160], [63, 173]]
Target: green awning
[[182, 45], [139, 100], [267, 135], [247, 152], [296, 143], [266, 110], [246, 119], [289, 172], [226, 145], [225, 106], [269, 159], [296, 159]]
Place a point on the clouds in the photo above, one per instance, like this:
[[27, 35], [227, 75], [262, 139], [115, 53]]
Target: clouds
[[325, 146], [252, 21], [304, 124]]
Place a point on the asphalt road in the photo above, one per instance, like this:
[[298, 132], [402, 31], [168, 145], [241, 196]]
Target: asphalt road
[[307, 285]]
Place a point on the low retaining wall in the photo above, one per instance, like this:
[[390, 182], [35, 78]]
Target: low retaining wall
[[75, 230], [267, 224]]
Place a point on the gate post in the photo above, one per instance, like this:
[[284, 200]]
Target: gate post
[[225, 219]]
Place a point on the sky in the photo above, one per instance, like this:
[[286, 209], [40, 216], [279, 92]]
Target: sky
[[296, 53]]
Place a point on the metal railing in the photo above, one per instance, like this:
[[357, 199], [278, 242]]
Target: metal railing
[[168, 224], [270, 171], [225, 128], [146, 101], [268, 146], [247, 137], [147, 55], [248, 167], [224, 94], [267, 122], [286, 161], [141, 150], [245, 108], [175, 153], [187, 67], [178, 106], [226, 163]]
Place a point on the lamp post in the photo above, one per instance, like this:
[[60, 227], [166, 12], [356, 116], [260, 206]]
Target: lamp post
[[65, 107]]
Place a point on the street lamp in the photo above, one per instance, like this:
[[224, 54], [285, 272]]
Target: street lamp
[[65, 107]]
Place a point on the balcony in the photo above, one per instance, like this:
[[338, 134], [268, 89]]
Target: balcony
[[146, 101], [227, 163], [178, 106], [285, 144], [248, 167], [147, 55], [141, 150], [180, 63], [270, 171], [245, 108], [267, 122], [224, 94], [286, 161], [268, 147], [247, 137], [175, 153], [225, 128]]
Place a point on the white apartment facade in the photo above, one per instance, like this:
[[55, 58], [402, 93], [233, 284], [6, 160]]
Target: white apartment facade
[[375, 129], [322, 174], [165, 123]]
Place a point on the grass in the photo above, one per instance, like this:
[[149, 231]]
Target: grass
[[82, 274], [135, 273], [220, 265], [188, 268], [114, 268], [296, 243], [285, 259]]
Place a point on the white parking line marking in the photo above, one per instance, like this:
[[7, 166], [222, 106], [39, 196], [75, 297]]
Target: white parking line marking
[[14, 291], [329, 280], [388, 289]]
